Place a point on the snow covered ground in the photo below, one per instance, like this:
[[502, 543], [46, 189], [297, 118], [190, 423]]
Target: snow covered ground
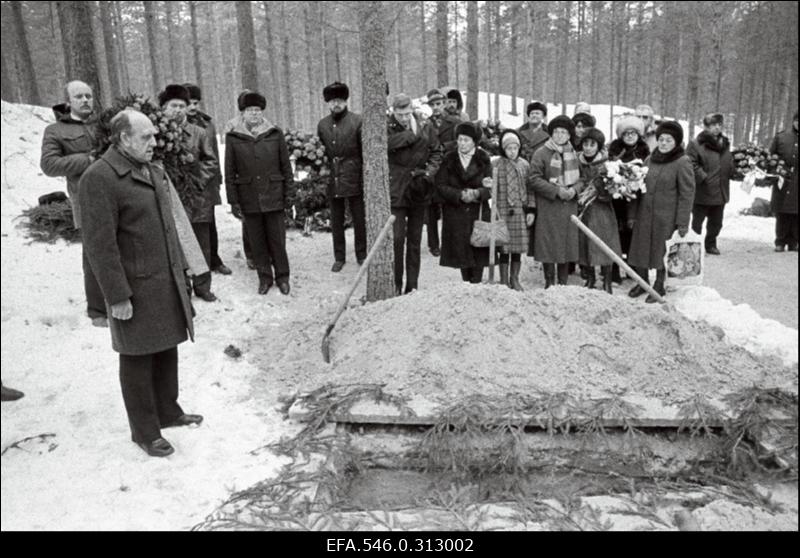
[[68, 462]]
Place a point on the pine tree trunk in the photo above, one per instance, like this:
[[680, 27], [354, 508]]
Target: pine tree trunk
[[424, 38], [595, 52], [287, 73], [310, 66], [27, 74], [78, 40], [398, 64], [176, 57], [563, 59], [198, 68], [122, 49], [8, 92], [472, 59], [456, 53], [611, 58], [152, 44], [495, 61], [248, 65], [96, 29], [111, 49], [694, 83], [442, 72], [533, 87], [626, 41], [275, 81], [380, 275], [578, 49], [513, 54]]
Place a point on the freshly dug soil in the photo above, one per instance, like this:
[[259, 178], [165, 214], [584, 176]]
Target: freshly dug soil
[[458, 339]]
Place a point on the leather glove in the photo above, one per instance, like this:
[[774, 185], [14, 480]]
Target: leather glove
[[236, 210]]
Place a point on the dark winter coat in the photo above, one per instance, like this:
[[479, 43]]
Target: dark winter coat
[[409, 152], [258, 173], [445, 127], [531, 139], [342, 140], [555, 236], [206, 169], [599, 216], [665, 207], [785, 199], [204, 121], [458, 217], [713, 166], [618, 150], [130, 240], [66, 148]]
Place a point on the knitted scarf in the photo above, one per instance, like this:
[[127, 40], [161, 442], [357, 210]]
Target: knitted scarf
[[513, 174], [564, 163]]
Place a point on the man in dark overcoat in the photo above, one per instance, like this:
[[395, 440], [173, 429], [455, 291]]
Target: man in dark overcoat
[[340, 133], [132, 245], [784, 199], [711, 158], [414, 158], [533, 133], [68, 148]]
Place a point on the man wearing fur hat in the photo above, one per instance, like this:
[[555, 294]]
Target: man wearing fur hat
[[340, 133], [534, 132], [199, 206], [784, 199], [713, 165], [197, 117], [68, 148], [454, 103], [414, 158]]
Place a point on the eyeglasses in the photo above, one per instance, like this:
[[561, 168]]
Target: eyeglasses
[[630, 133]]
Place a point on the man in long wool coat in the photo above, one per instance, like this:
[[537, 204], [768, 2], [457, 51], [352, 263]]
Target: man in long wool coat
[[134, 250]]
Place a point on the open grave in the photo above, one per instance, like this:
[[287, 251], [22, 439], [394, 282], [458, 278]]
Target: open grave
[[477, 407]]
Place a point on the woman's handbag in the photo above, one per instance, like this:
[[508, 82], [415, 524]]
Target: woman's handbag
[[482, 231]]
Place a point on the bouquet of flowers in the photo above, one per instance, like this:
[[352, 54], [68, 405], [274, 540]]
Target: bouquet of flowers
[[616, 180], [751, 158], [307, 152]]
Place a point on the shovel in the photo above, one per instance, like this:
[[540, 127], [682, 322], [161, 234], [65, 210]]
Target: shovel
[[326, 339]]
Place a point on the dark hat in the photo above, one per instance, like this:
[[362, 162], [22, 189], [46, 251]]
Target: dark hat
[[584, 118], [536, 105], [336, 90], [470, 129], [194, 91], [401, 101], [455, 94], [252, 99], [173, 91], [435, 95], [597, 136], [561, 121], [673, 129], [508, 137], [712, 118]]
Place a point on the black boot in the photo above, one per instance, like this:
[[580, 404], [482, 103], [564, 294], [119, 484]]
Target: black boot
[[607, 279], [587, 272], [658, 286], [563, 273], [616, 276], [504, 274], [513, 280], [549, 275], [264, 283], [637, 290]]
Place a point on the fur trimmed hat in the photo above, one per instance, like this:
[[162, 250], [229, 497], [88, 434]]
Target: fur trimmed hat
[[336, 90], [596, 135], [435, 95], [584, 118], [536, 105], [252, 99], [455, 94], [713, 118], [671, 128], [470, 129], [194, 91], [173, 91], [561, 121], [630, 122]]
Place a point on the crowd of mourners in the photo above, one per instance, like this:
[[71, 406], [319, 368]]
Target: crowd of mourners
[[146, 250]]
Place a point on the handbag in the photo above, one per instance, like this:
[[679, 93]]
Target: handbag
[[482, 231]]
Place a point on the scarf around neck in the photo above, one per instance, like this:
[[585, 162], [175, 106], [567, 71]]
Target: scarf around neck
[[662, 158], [564, 163]]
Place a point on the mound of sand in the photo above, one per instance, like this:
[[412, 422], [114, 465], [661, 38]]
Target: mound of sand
[[459, 339]]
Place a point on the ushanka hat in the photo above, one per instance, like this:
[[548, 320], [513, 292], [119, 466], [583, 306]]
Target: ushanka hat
[[470, 129], [597, 136], [336, 90], [584, 118], [252, 99], [630, 122], [194, 91], [713, 118], [673, 129], [536, 105], [173, 91], [561, 121]]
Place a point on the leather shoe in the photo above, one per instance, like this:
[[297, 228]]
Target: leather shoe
[[361, 261], [337, 267], [207, 296], [100, 321], [223, 269], [780, 248], [157, 448], [9, 394], [636, 291], [793, 248], [436, 252], [184, 420], [713, 250], [284, 288], [251, 264]]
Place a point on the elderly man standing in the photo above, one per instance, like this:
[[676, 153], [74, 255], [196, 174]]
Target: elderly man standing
[[132, 245], [784, 199], [645, 113], [534, 132], [197, 117], [68, 148], [713, 164], [340, 133], [199, 205]]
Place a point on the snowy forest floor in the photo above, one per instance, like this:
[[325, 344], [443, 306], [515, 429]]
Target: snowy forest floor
[[68, 462]]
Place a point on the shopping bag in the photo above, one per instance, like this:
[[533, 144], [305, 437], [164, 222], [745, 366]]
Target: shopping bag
[[684, 260]]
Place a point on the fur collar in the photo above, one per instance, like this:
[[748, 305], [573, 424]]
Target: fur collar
[[664, 158], [710, 142], [619, 150]]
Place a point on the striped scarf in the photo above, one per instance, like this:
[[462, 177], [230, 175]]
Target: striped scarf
[[564, 163]]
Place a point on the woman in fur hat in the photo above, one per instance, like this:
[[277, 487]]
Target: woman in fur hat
[[665, 208], [599, 216], [513, 206], [555, 181]]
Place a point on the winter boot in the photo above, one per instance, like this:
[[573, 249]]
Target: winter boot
[[637, 290], [264, 283], [616, 276], [504, 274], [607, 279], [587, 272], [563, 273], [658, 286], [549, 275], [514, 277]]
